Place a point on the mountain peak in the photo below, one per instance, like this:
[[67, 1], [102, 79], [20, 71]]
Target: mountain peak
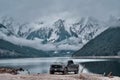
[[59, 23]]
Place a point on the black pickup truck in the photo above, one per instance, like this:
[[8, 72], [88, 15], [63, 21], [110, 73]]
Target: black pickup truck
[[59, 67]]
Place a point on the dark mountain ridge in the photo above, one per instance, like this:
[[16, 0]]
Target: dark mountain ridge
[[105, 44], [9, 50]]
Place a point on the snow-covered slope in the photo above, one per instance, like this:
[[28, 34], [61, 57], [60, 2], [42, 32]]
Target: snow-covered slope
[[87, 28], [59, 33]]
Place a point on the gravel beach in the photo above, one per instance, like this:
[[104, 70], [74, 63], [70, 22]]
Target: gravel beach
[[55, 77]]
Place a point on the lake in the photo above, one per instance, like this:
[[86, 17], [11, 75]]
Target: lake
[[42, 65]]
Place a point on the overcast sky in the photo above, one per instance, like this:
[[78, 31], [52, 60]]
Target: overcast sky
[[30, 10]]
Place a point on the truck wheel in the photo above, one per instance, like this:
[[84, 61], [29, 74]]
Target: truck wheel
[[65, 71], [51, 72], [76, 72]]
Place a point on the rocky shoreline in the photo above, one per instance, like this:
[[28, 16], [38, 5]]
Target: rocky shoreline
[[12, 74], [82, 76], [10, 70]]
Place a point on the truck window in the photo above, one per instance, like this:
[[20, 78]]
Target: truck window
[[56, 66]]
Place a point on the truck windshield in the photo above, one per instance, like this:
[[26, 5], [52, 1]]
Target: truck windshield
[[56, 66]]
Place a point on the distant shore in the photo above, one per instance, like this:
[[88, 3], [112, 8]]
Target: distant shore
[[96, 57]]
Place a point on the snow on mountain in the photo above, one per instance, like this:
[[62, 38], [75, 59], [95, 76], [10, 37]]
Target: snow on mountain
[[24, 30], [57, 35], [3, 29], [42, 33], [86, 28], [10, 24]]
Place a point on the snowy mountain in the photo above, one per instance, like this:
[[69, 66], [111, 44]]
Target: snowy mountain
[[42, 33], [11, 27], [57, 36], [4, 30], [84, 30], [24, 30], [87, 28], [59, 33]]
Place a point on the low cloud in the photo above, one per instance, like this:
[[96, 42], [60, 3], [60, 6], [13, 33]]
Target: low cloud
[[37, 43], [30, 10]]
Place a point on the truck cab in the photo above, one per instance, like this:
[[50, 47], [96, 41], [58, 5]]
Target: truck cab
[[71, 67], [57, 68], [64, 68]]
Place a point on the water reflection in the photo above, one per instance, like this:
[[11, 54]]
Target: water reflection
[[104, 67]]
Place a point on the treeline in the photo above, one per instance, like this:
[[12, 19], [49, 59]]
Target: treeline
[[16, 51]]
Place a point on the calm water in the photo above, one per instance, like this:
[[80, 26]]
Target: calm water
[[104, 67], [41, 65]]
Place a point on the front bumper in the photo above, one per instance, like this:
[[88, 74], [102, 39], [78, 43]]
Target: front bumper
[[56, 70]]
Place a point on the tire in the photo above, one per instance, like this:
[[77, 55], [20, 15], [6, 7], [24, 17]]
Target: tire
[[65, 71], [76, 72], [51, 72]]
